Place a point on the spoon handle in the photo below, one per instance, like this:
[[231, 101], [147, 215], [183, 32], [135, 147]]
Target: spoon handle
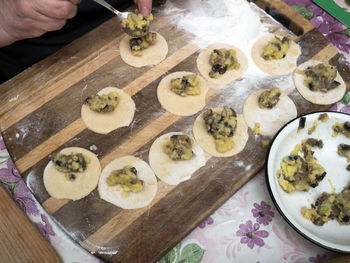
[[106, 5]]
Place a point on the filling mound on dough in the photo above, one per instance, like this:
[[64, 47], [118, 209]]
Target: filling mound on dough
[[179, 147], [187, 85], [330, 206], [344, 151], [222, 60], [222, 127], [137, 44], [276, 49], [269, 98], [321, 77], [299, 172], [342, 128], [127, 178], [136, 25], [103, 103], [69, 164]]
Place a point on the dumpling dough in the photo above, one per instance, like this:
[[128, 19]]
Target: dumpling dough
[[59, 187], [150, 56], [318, 97], [207, 142], [104, 123], [174, 172], [282, 66], [176, 104], [128, 200], [204, 66], [271, 120]]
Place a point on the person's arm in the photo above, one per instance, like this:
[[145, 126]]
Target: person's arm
[[20, 19], [144, 6]]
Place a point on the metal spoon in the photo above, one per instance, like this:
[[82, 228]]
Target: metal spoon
[[134, 33]]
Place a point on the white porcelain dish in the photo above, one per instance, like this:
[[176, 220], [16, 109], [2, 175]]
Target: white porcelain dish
[[331, 235]]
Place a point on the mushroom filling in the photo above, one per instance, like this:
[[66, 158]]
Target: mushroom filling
[[221, 126], [321, 77], [276, 49], [103, 103], [330, 206], [298, 173], [344, 150], [179, 147], [222, 60], [69, 164], [138, 44], [342, 128], [127, 178], [187, 85], [136, 25], [269, 98]]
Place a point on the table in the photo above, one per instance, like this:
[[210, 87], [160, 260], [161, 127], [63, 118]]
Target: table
[[218, 238]]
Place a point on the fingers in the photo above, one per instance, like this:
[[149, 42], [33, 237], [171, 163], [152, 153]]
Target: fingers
[[145, 6], [58, 9]]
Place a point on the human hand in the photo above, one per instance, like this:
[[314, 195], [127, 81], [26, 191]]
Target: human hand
[[20, 19], [145, 6]]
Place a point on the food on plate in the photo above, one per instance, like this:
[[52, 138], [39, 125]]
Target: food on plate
[[110, 109], [344, 150], [301, 125], [174, 157], [330, 206], [299, 172], [221, 132], [342, 128], [319, 83], [128, 182], [221, 63], [275, 55], [143, 51], [270, 109], [72, 173], [323, 117], [136, 24], [182, 93]]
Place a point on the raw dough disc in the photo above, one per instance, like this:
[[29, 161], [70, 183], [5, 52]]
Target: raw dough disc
[[128, 200], [207, 142], [230, 75], [59, 187], [317, 97], [282, 66], [271, 120], [176, 104], [151, 56], [106, 122], [169, 171]]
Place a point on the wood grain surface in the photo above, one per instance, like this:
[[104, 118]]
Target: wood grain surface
[[40, 114]]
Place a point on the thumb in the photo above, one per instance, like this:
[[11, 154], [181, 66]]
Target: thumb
[[145, 6]]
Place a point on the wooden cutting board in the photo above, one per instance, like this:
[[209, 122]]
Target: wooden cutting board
[[40, 114]]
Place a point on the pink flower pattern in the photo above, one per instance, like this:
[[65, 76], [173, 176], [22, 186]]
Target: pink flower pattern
[[251, 235]]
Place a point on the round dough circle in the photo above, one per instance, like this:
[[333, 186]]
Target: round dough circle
[[128, 200], [176, 104], [318, 97], [59, 187], [204, 66], [151, 56], [104, 123], [173, 172], [271, 120], [207, 142], [282, 66]]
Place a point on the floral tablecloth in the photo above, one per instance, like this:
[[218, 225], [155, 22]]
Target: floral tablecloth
[[247, 228]]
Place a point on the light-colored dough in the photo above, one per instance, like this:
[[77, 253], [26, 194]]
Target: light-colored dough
[[282, 66], [207, 142], [59, 187], [128, 200], [176, 104], [106, 122], [271, 120], [204, 66], [317, 97], [151, 56], [173, 172]]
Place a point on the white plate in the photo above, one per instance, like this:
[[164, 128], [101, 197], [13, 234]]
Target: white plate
[[331, 235]]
